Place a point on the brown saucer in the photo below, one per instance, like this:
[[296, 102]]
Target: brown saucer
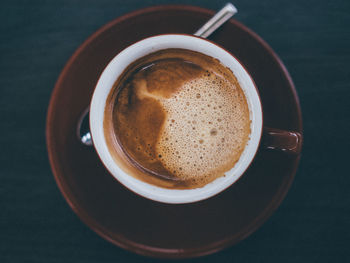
[[147, 227]]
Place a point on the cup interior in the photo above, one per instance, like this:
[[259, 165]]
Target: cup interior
[[141, 49]]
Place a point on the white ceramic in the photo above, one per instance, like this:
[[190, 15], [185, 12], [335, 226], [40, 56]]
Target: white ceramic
[[150, 45]]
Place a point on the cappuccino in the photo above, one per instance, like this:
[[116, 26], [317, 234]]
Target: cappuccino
[[180, 118]]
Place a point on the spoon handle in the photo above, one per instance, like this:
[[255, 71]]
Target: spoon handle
[[214, 23], [217, 20]]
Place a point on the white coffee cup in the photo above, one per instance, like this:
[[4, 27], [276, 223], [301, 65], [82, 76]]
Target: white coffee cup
[[140, 49]]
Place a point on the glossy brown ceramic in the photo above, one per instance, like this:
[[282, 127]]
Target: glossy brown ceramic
[[144, 226]]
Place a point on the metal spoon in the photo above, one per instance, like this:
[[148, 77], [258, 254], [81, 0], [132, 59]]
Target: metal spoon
[[224, 14]]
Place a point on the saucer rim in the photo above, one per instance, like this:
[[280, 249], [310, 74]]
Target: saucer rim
[[121, 241]]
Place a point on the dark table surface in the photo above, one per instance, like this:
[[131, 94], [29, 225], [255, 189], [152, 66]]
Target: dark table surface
[[37, 38]]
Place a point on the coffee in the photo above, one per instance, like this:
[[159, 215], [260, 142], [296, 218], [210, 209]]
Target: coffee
[[180, 117]]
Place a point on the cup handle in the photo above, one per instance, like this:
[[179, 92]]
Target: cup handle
[[281, 140], [275, 139]]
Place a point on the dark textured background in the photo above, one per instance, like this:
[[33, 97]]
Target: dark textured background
[[312, 37]]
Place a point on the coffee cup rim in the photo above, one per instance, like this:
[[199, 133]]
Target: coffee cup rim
[[149, 45]]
